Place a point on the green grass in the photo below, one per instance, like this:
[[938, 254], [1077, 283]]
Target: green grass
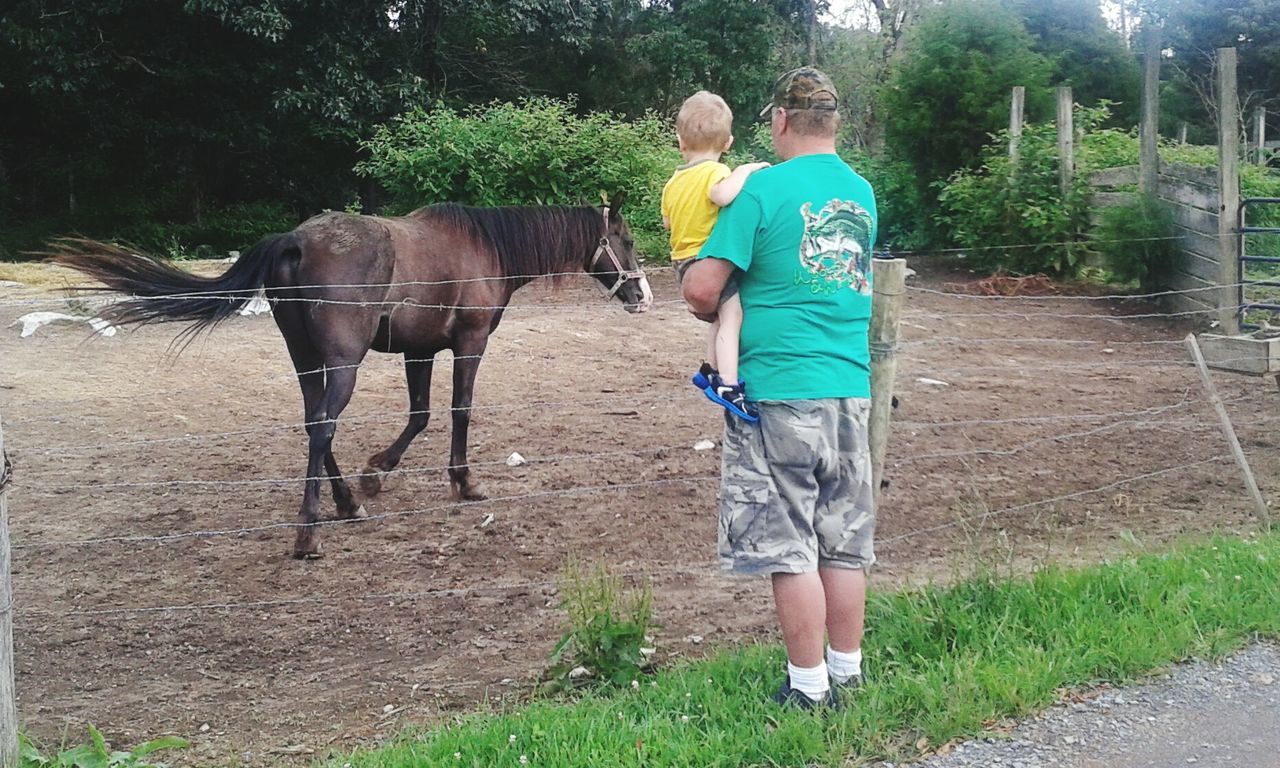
[[942, 662]]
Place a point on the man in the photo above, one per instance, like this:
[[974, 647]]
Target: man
[[796, 500]]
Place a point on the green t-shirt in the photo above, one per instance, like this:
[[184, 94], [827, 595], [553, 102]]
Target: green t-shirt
[[801, 232]]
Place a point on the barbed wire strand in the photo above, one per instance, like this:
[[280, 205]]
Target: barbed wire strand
[[1056, 499], [709, 570], [248, 293], [399, 417], [566, 458], [575, 457], [452, 506], [546, 583]]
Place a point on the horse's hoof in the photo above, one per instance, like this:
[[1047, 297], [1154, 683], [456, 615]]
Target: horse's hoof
[[371, 481], [313, 554], [474, 494], [356, 514]]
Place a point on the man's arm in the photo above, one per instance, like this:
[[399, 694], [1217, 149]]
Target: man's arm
[[724, 191], [703, 284]]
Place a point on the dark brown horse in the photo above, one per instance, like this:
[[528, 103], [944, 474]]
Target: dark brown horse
[[341, 285]]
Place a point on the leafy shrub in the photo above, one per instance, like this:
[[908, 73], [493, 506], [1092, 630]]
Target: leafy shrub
[[1135, 240], [535, 152], [234, 227], [607, 628], [96, 754], [1002, 203]]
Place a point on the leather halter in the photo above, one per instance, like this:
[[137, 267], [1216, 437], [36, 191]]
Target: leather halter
[[605, 249]]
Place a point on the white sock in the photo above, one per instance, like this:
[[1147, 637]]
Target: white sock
[[811, 681], [844, 666]]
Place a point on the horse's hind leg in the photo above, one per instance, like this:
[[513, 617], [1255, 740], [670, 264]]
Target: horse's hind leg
[[340, 383], [418, 373], [311, 379]]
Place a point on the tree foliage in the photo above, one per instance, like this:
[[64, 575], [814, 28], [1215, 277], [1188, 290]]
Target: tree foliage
[[202, 120]]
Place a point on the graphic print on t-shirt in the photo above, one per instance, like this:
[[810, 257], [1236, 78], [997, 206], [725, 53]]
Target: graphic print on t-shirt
[[835, 252]]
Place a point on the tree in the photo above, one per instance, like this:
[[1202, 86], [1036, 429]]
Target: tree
[[949, 88], [1193, 30], [1086, 54]]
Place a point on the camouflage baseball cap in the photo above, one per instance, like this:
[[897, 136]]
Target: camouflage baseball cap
[[802, 88]]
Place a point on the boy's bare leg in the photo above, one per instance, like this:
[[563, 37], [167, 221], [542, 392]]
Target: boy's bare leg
[[712, 332], [729, 327]]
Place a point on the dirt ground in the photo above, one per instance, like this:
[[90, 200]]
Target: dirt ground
[[434, 609]]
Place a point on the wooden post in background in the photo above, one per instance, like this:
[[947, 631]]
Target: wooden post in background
[[1228, 191], [1182, 133], [1260, 136], [1016, 106], [1224, 421], [1148, 156], [889, 285], [1066, 140], [8, 693]]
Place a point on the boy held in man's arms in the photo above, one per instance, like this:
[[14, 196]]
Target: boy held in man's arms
[[691, 201]]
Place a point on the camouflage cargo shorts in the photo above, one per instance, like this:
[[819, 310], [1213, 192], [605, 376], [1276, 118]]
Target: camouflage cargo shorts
[[795, 488]]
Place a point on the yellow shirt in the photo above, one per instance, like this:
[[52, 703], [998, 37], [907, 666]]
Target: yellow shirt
[[687, 207]]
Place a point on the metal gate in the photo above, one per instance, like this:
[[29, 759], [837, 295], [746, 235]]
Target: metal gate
[[1271, 304]]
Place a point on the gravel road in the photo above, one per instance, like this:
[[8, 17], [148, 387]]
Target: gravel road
[[1200, 714]]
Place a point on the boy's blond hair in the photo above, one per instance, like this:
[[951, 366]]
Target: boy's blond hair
[[705, 122]]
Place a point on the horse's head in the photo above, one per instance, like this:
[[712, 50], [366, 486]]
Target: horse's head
[[615, 264]]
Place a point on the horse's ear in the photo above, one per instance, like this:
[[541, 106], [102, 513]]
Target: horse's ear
[[615, 205]]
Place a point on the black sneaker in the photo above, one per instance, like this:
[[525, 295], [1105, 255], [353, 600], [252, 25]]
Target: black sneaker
[[790, 697], [846, 688]]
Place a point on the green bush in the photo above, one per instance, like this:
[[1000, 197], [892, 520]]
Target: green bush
[[1001, 203], [536, 152], [1136, 242], [607, 628], [235, 227]]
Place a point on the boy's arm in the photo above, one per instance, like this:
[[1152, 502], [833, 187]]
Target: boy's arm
[[724, 191]]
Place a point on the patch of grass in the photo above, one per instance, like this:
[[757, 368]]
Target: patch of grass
[[941, 663], [97, 754], [606, 632]]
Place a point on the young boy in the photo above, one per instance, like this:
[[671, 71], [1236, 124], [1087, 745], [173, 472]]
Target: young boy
[[691, 201]]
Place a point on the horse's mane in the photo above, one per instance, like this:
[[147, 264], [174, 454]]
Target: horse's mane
[[528, 240]]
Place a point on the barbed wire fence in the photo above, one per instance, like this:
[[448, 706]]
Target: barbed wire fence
[[1176, 437]]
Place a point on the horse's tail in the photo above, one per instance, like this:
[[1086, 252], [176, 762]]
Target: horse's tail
[[161, 291]]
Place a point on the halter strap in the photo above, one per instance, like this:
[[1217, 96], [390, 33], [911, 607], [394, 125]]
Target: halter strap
[[605, 249]]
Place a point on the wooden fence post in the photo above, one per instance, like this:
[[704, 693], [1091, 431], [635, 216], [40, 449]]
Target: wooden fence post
[[1210, 391], [1148, 156], [1016, 105], [1228, 191], [1260, 135], [1066, 140], [8, 693], [889, 285]]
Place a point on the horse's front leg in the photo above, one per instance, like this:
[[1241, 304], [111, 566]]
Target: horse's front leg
[[418, 375], [465, 364]]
